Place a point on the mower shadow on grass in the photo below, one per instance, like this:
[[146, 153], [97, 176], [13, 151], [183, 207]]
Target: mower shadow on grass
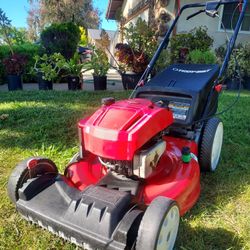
[[204, 238]]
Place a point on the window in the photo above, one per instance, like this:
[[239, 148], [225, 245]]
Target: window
[[228, 11]]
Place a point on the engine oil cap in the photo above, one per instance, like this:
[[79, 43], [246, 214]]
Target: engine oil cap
[[186, 154], [108, 101]]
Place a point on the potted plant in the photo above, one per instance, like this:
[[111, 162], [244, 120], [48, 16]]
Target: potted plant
[[15, 63], [99, 63], [183, 43], [47, 68], [73, 69], [238, 60], [131, 65], [14, 67], [134, 55], [201, 57], [247, 66]]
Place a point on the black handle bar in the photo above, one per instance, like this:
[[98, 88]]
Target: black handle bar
[[195, 14]]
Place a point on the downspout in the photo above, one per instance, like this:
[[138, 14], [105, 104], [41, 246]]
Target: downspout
[[177, 8]]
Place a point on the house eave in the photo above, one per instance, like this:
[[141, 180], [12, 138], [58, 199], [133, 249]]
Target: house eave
[[113, 5]]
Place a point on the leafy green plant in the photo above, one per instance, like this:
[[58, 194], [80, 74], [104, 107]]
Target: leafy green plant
[[61, 38], [240, 58], [141, 37], [49, 65], [83, 36], [220, 53], [135, 54], [202, 57], [196, 39], [73, 67], [247, 59], [163, 61], [99, 63], [26, 49]]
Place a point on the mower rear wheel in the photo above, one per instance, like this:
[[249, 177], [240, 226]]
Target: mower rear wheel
[[22, 173], [211, 144], [159, 226]]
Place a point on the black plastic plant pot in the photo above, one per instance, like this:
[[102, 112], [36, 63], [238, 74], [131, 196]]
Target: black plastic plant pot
[[74, 83], [129, 80], [100, 82], [247, 82], [44, 84], [15, 82]]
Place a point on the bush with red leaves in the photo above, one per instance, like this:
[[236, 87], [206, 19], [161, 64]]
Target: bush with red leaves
[[131, 60], [14, 64]]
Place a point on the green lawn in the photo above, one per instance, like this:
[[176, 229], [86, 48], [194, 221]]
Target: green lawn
[[44, 123]]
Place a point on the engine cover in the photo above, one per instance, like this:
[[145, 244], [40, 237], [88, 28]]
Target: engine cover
[[118, 130]]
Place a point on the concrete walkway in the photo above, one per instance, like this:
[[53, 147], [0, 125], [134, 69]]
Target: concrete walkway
[[114, 83]]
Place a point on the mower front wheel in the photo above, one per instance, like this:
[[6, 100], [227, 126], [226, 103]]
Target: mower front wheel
[[159, 226], [22, 173], [211, 144]]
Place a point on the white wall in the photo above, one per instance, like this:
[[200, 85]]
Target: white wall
[[129, 4]]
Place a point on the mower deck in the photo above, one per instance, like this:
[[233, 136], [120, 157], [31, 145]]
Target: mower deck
[[102, 213], [93, 216]]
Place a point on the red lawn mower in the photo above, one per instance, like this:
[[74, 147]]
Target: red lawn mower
[[139, 163]]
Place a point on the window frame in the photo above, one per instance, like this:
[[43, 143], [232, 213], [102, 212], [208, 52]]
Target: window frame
[[229, 30]]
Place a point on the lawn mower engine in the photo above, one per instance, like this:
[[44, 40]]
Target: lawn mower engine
[[127, 136]]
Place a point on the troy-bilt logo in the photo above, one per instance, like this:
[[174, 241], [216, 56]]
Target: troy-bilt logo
[[192, 71]]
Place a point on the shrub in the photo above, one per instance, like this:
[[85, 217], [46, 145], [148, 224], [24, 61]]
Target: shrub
[[163, 61], [242, 54], [202, 57], [4, 53], [15, 64], [197, 39], [129, 59], [49, 65], [83, 37], [26, 49], [139, 49], [61, 38]]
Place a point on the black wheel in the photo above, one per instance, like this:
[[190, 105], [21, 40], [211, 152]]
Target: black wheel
[[159, 225], [211, 144], [22, 173]]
